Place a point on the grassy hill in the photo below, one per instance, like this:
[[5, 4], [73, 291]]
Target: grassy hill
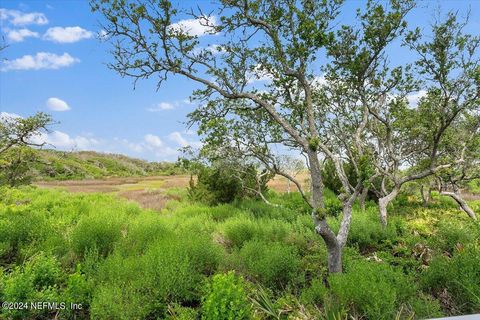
[[62, 165]]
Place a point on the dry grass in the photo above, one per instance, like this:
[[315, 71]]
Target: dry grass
[[149, 192]]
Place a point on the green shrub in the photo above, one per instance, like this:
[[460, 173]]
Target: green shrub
[[239, 230], [315, 293], [223, 183], [372, 290], [426, 307], [98, 231], [38, 279], [226, 299], [172, 270], [274, 264], [367, 233], [451, 234], [19, 227], [460, 276]]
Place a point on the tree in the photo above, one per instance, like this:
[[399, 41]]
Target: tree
[[280, 40], [16, 131], [15, 165], [16, 136], [417, 137], [464, 145]]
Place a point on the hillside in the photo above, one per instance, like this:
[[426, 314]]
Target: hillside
[[62, 165]]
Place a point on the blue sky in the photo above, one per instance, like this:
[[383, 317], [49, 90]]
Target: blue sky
[[56, 64]]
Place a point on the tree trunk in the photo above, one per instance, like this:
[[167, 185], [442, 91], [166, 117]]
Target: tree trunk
[[334, 258], [383, 204], [426, 196], [462, 203], [334, 249], [363, 198]]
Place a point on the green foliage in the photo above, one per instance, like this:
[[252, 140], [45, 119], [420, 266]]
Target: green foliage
[[18, 131], [226, 299], [102, 252], [15, 164], [371, 289], [367, 232], [459, 276], [37, 280], [274, 264], [330, 178], [224, 183], [315, 293], [97, 232]]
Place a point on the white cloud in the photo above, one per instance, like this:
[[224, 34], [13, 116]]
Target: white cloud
[[19, 18], [42, 60], [56, 104], [177, 137], [153, 141], [120, 144], [162, 106], [20, 34], [67, 34], [195, 27], [62, 140], [158, 148], [414, 98], [181, 141]]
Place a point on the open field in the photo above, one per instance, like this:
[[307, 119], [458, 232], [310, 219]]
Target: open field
[[149, 192]]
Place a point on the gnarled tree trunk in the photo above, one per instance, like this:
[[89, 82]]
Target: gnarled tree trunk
[[462, 203], [383, 204]]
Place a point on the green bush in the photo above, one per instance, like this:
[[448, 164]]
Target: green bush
[[98, 231], [172, 270], [226, 299], [452, 234], [367, 233], [38, 279], [315, 293], [460, 276], [223, 183], [372, 290], [239, 230], [274, 264]]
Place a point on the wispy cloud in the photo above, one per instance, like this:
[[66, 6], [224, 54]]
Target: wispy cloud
[[178, 138], [42, 60], [18, 35], [67, 34], [62, 140], [162, 106], [18, 18], [56, 104]]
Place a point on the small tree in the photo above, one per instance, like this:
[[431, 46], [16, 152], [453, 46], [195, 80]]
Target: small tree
[[15, 166], [464, 144], [16, 156], [416, 137], [17, 131]]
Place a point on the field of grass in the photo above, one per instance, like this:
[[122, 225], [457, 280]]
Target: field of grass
[[245, 260]]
